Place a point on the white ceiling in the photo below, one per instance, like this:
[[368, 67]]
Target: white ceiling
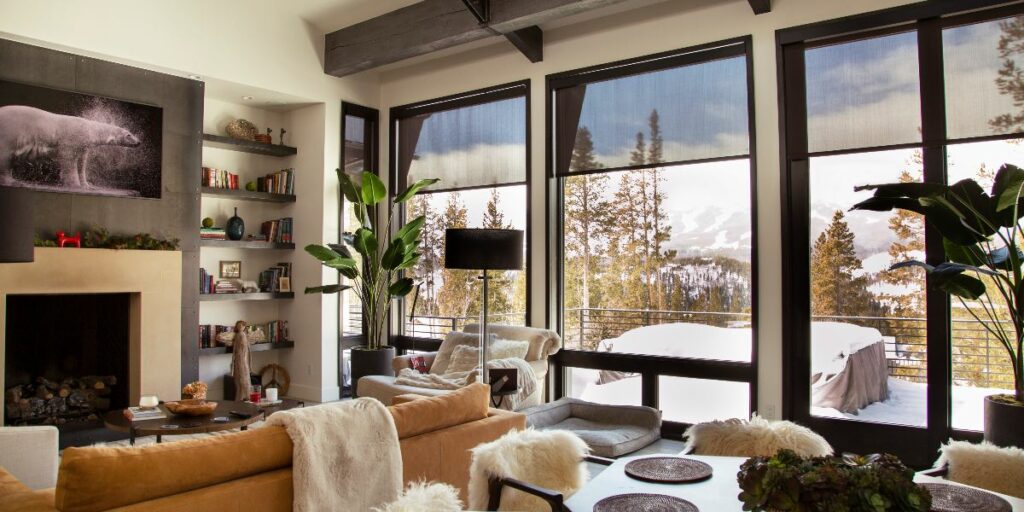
[[330, 15]]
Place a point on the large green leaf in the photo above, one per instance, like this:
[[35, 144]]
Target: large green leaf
[[1006, 187], [411, 230], [884, 204], [947, 218], [410, 260], [341, 249], [968, 255], [394, 255], [365, 243], [911, 190], [340, 263], [401, 287], [328, 288], [322, 253], [975, 208], [348, 187], [961, 285], [414, 188], [373, 190]]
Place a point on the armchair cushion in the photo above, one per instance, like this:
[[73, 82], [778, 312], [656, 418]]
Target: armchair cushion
[[543, 342], [444, 352], [30, 454]]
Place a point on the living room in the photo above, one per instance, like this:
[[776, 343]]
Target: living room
[[698, 251]]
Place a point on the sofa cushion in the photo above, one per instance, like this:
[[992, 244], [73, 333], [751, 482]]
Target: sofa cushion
[[463, 359], [543, 342], [437, 412], [98, 478], [505, 349], [444, 352]]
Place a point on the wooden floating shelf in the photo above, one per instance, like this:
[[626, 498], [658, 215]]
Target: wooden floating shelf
[[218, 297], [245, 195], [257, 347], [246, 244], [247, 146]]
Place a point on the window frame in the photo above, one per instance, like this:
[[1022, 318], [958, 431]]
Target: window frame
[[917, 446], [649, 367], [509, 90]]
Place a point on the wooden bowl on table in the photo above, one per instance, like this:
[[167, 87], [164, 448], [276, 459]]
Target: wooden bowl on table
[[191, 407]]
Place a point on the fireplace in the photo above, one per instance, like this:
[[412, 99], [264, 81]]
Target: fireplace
[[66, 357]]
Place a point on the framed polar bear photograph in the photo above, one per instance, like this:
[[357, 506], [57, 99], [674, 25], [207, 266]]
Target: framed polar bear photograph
[[61, 141]]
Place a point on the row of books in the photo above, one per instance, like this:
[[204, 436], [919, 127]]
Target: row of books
[[212, 234], [219, 178], [273, 332], [205, 281], [270, 279], [208, 334], [278, 230], [144, 413], [277, 331], [280, 182]]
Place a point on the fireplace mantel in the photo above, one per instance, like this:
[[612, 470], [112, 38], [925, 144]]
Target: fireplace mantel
[[152, 277]]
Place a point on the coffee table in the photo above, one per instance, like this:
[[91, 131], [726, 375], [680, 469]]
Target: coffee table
[[116, 420]]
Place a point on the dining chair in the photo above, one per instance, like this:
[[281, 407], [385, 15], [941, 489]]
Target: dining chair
[[755, 437], [983, 465]]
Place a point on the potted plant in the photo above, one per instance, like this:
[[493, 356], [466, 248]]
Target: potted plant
[[377, 275], [785, 481], [981, 236]]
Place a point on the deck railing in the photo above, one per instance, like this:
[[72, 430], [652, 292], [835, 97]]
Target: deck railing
[[978, 357]]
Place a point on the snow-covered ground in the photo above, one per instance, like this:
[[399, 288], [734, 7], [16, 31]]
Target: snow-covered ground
[[696, 400]]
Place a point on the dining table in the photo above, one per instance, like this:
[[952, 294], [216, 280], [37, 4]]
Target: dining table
[[716, 494]]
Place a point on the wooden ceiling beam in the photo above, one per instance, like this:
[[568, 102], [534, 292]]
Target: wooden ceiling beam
[[433, 25], [761, 6], [529, 41]]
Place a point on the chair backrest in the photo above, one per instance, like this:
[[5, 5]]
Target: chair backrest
[[552, 459], [30, 454], [756, 437], [984, 465], [543, 342]]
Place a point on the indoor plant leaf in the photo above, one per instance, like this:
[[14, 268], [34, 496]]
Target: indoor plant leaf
[[322, 253], [394, 255], [414, 188], [328, 288], [1006, 188], [365, 243], [411, 230], [911, 190], [348, 187], [373, 190], [401, 287], [341, 249]]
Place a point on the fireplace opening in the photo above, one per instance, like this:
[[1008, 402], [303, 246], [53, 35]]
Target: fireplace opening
[[66, 358]]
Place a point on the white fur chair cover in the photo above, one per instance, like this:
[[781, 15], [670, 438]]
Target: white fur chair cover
[[426, 497], [757, 437], [552, 459], [985, 465]]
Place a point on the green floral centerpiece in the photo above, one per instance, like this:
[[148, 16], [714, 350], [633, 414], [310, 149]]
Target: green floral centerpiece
[[851, 483]]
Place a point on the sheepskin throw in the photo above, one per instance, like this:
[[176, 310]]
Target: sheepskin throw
[[410, 377], [985, 465], [757, 437], [552, 459], [345, 456], [424, 497]]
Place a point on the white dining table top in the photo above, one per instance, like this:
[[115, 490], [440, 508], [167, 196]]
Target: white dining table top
[[717, 494]]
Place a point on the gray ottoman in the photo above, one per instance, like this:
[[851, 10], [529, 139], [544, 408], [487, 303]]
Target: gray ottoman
[[609, 430]]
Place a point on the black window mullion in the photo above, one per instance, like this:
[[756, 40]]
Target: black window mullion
[[933, 133]]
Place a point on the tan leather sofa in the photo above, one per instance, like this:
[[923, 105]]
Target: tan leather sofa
[[251, 471]]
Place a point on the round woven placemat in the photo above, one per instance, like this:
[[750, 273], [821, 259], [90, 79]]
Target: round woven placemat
[[957, 498], [644, 503], [668, 470]]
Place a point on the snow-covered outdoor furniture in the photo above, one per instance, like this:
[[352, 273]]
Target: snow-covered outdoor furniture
[[848, 366], [609, 430]]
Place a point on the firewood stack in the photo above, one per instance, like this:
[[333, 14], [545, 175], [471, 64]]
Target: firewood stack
[[47, 402]]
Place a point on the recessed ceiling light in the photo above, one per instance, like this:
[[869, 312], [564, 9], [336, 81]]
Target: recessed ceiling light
[[195, 77], [247, 98]]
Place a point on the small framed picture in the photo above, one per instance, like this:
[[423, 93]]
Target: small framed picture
[[231, 269], [284, 284]]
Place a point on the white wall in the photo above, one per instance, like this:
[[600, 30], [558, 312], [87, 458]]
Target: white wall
[[657, 28], [236, 46]]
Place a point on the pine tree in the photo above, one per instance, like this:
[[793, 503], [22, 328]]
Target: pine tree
[[493, 218], [909, 230], [835, 287], [586, 213], [458, 287]]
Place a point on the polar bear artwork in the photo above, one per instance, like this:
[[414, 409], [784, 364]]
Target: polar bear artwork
[[32, 133]]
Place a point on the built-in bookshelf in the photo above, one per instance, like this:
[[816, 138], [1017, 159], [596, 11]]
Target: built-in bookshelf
[[247, 195], [256, 347], [217, 297], [248, 244], [248, 146]]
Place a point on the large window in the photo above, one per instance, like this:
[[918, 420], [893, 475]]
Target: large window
[[476, 143], [656, 234], [874, 353]]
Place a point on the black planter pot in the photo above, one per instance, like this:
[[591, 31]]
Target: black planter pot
[[370, 362], [1004, 423]]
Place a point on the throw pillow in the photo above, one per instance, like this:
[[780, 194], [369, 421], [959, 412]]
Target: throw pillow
[[505, 349], [419, 363], [464, 359], [444, 352]]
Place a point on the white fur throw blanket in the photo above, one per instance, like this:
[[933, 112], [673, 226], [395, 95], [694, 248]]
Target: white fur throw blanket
[[527, 380], [985, 465], [552, 459], [757, 437], [345, 457]]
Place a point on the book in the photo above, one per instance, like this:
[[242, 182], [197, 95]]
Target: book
[[144, 413]]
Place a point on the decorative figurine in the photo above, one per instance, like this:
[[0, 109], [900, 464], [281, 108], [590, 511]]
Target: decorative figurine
[[281, 140], [241, 363], [236, 227], [63, 240]]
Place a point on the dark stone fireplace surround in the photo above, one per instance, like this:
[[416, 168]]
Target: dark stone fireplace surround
[[176, 214]]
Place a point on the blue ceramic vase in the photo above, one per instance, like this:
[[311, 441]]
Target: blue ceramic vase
[[236, 227]]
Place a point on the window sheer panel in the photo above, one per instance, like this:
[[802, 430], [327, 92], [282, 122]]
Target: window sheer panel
[[355, 144], [863, 94], [469, 147], [700, 110], [984, 92]]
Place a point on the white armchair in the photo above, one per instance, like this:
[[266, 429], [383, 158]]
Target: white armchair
[[30, 454]]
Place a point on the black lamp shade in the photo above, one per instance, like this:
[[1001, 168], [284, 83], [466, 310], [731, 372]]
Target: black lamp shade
[[483, 249], [16, 226]]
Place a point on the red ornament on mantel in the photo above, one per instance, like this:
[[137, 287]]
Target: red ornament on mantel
[[64, 240]]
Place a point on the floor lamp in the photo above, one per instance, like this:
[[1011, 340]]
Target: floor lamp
[[16, 226], [483, 249]]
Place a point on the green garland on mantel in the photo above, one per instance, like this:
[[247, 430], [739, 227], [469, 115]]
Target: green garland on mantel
[[100, 238]]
